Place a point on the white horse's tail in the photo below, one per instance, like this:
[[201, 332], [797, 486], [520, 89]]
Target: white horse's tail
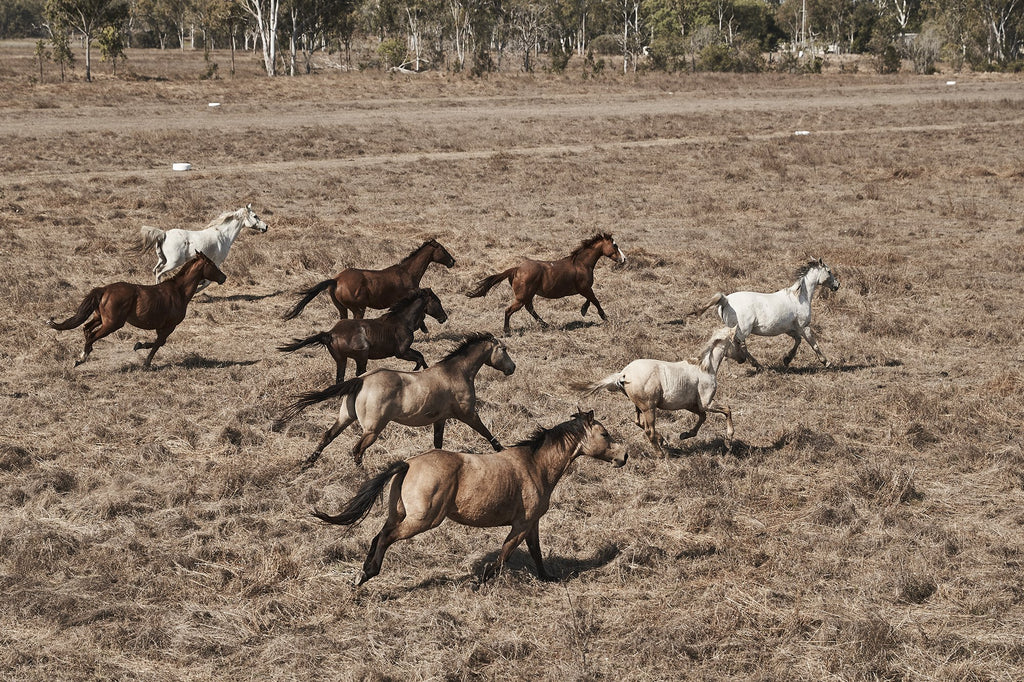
[[716, 300], [613, 383], [151, 236]]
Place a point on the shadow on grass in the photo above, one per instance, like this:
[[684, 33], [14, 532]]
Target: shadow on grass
[[191, 361], [242, 297], [561, 569]]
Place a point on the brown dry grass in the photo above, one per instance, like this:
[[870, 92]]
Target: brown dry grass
[[867, 525]]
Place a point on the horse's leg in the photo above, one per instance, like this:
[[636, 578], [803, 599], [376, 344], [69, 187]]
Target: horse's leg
[[702, 416], [529, 308], [792, 351], [753, 361], [365, 442], [514, 306], [439, 434], [473, 421], [342, 309], [648, 418], [341, 362], [95, 330], [515, 536], [588, 294], [729, 430], [331, 433], [162, 335], [413, 356], [533, 544], [809, 335]]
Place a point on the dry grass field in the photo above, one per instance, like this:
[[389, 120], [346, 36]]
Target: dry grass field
[[866, 524]]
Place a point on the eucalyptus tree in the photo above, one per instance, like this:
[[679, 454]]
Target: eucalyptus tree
[[88, 17], [267, 15]]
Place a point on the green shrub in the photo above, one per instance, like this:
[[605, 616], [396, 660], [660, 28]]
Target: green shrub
[[392, 52], [607, 44]]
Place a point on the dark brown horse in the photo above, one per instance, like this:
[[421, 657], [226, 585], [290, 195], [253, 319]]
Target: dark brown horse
[[146, 306], [508, 488], [573, 274], [430, 396], [357, 290], [390, 335]]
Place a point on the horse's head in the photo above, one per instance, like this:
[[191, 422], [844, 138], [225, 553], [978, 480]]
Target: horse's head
[[439, 254], [610, 249], [597, 442], [826, 276], [734, 348], [433, 306], [208, 269], [253, 221], [499, 358]]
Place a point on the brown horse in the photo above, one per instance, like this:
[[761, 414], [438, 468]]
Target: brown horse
[[573, 274], [357, 290], [429, 396], [390, 335], [510, 488], [146, 306]]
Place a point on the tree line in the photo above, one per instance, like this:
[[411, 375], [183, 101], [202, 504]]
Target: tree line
[[484, 35]]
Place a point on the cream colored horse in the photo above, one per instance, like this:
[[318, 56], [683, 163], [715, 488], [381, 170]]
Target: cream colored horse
[[655, 384], [429, 396], [508, 488]]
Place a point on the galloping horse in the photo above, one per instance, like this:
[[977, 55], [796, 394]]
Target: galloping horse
[[573, 274], [357, 290], [787, 311], [509, 488], [655, 384], [429, 396], [390, 335], [146, 306], [174, 247]]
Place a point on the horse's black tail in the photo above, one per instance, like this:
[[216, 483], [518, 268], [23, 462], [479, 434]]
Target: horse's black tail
[[350, 387], [323, 338], [717, 299], [307, 296], [87, 308], [485, 285], [359, 506]]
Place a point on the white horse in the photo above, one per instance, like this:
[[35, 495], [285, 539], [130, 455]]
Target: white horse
[[787, 311], [656, 384], [176, 247]]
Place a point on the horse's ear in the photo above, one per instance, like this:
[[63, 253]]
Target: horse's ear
[[249, 206]]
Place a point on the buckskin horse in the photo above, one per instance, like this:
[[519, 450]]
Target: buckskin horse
[[508, 488]]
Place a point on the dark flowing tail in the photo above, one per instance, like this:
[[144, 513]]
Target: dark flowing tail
[[359, 506], [87, 308], [717, 299], [323, 338], [307, 296], [350, 387], [485, 285]]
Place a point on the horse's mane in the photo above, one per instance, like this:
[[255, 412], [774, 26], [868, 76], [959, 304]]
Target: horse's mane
[[429, 242], [223, 218], [467, 342], [406, 301], [587, 243], [806, 267], [565, 432], [704, 359]]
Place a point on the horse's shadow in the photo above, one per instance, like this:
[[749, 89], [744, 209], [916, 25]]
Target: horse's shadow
[[821, 369], [191, 361], [562, 569], [578, 324], [736, 448], [242, 297]]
